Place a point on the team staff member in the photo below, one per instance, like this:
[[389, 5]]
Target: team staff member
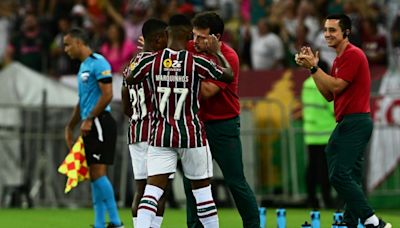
[[349, 88], [220, 114], [98, 127]]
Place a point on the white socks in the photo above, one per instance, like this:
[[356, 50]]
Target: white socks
[[148, 206], [206, 209], [372, 220], [157, 221]]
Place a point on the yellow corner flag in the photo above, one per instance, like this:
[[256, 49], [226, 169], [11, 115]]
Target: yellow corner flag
[[74, 166]]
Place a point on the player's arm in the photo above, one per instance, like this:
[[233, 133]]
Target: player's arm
[[214, 48], [227, 75], [73, 121], [328, 85], [208, 89], [126, 104], [139, 73], [105, 85]]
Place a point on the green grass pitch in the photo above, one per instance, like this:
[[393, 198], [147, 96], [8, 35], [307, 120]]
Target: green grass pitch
[[77, 218]]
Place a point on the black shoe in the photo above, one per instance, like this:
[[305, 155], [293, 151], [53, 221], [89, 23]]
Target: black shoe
[[382, 224], [110, 225]]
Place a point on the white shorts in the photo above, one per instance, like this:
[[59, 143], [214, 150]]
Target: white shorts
[[138, 152], [196, 162]]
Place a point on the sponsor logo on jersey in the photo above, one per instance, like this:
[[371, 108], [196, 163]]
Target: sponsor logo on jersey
[[132, 66], [172, 65], [106, 72], [85, 76]]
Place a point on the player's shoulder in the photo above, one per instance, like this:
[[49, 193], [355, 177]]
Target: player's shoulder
[[98, 59], [228, 50], [354, 52]]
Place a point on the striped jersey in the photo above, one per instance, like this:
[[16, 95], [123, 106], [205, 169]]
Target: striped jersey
[[140, 97], [175, 78]]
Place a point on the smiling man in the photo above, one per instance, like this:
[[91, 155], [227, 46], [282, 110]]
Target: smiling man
[[349, 87]]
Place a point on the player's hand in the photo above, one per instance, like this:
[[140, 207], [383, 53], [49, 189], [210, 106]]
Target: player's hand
[[68, 137], [306, 58], [140, 42], [86, 126], [212, 44]]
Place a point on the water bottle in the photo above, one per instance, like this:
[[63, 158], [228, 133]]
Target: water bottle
[[315, 219], [306, 225], [263, 216], [281, 217], [338, 217], [360, 225]]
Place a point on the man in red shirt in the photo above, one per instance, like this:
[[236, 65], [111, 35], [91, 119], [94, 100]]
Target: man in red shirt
[[220, 114], [349, 87]]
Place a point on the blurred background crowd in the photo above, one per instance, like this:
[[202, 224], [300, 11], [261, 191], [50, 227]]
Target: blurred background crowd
[[265, 33]]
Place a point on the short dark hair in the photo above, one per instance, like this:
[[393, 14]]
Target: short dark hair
[[344, 21], [209, 20], [79, 33], [153, 26], [179, 20]]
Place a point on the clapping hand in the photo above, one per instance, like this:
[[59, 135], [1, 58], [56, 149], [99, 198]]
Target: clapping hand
[[306, 58]]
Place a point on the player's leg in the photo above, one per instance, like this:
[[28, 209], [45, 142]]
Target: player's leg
[[191, 210], [160, 164], [100, 148], [226, 149], [197, 166], [345, 152], [138, 153]]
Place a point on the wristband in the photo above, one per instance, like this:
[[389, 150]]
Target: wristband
[[90, 117], [313, 69]]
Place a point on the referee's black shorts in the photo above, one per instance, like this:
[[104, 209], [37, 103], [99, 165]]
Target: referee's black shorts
[[101, 140]]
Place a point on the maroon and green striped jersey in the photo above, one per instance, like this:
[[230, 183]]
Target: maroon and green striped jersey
[[175, 78], [140, 98]]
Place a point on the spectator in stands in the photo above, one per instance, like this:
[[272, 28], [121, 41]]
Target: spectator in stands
[[61, 64], [5, 13], [31, 45], [266, 46], [117, 49], [133, 21], [373, 43]]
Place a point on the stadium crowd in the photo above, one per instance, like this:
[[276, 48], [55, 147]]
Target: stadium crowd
[[265, 33]]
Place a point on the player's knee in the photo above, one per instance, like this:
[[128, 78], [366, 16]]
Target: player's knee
[[336, 178]]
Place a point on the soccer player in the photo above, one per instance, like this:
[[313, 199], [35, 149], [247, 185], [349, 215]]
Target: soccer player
[[220, 114], [175, 76], [136, 100], [98, 128], [349, 87]]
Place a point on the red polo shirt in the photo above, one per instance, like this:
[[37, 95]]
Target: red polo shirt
[[352, 66], [225, 104]]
